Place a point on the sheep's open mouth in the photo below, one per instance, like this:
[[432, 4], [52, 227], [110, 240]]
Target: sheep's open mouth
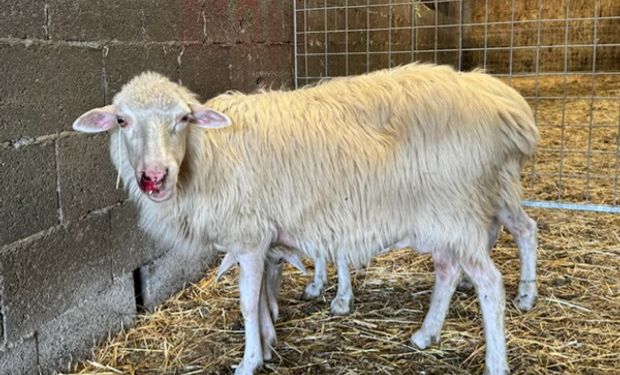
[[155, 190]]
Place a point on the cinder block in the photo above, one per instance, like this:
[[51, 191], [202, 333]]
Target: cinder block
[[131, 247], [44, 276], [123, 62], [45, 87], [248, 21], [162, 20], [170, 273], [136, 20], [96, 20], [205, 69], [87, 176], [276, 22], [71, 335], [22, 19], [193, 16], [219, 22], [19, 358], [257, 66], [27, 192]]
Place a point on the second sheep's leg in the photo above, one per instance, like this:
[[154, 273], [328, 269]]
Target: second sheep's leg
[[342, 303], [315, 288], [267, 329], [447, 273]]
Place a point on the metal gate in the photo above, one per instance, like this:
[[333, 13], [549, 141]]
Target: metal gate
[[563, 56]]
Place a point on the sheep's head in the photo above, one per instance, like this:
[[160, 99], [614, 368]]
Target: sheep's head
[[153, 115]]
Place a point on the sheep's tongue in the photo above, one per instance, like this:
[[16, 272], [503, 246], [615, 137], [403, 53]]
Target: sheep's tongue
[[150, 187]]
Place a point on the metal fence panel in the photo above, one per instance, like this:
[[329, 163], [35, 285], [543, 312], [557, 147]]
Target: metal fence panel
[[562, 55]]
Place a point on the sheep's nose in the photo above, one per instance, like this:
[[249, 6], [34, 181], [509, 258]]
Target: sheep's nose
[[154, 175], [152, 180]]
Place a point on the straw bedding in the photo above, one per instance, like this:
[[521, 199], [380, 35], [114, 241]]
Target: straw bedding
[[574, 328]]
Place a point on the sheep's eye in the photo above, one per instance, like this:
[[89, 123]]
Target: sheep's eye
[[185, 118], [121, 122]]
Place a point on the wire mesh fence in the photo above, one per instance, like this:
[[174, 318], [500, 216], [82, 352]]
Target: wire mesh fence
[[563, 56]]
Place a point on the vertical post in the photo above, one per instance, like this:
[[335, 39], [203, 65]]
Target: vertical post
[[460, 44], [512, 40], [367, 36], [346, 37], [436, 11], [295, 62], [326, 61], [586, 191], [486, 33], [414, 14], [537, 88], [390, 34], [306, 38], [564, 100]]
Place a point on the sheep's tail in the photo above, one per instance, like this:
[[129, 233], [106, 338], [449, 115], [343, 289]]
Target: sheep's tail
[[519, 129]]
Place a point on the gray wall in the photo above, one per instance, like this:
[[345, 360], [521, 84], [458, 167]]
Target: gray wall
[[72, 263]]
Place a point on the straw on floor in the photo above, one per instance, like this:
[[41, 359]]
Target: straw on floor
[[574, 328]]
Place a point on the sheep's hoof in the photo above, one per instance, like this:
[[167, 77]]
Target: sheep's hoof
[[526, 302], [247, 367], [465, 285], [422, 339], [268, 340], [341, 305], [266, 355], [499, 371], [313, 290]]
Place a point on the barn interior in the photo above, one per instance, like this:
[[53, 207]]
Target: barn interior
[[82, 291]]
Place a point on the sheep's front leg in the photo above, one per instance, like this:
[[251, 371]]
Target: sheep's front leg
[[251, 267], [315, 288], [341, 305]]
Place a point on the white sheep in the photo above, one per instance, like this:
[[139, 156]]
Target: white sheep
[[418, 156], [522, 227]]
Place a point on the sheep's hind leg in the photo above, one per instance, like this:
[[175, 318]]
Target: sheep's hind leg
[[524, 230], [447, 273], [465, 284], [342, 303]]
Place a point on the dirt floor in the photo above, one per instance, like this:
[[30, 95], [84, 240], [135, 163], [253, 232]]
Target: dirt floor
[[574, 328]]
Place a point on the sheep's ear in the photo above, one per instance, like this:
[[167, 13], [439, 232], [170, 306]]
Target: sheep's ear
[[96, 120], [208, 118]]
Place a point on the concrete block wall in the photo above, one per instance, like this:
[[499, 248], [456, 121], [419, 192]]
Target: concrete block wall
[[73, 265]]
